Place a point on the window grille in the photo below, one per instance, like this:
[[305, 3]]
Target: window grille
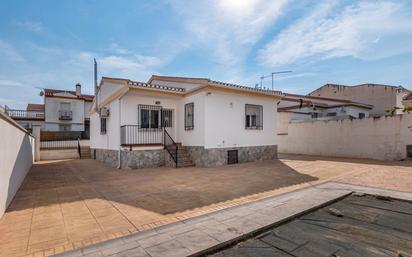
[[253, 116]]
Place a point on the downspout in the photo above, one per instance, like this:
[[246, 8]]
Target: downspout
[[119, 155]]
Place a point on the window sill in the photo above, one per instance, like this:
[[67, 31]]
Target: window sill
[[253, 128]]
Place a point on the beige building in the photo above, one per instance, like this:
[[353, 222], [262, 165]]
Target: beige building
[[382, 97], [407, 101]]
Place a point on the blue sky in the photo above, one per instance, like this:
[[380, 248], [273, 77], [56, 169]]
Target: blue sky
[[51, 44]]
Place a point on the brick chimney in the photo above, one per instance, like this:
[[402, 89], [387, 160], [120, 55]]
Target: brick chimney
[[78, 89]]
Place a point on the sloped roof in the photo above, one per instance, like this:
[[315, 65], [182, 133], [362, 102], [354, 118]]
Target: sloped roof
[[401, 88], [206, 81], [51, 93], [35, 107], [312, 101]]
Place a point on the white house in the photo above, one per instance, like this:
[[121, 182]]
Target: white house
[[66, 110], [62, 110], [179, 121]]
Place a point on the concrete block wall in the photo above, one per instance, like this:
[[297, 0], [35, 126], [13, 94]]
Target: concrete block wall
[[383, 138]]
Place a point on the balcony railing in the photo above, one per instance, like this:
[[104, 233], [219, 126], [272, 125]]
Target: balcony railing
[[25, 115], [134, 135], [65, 115]]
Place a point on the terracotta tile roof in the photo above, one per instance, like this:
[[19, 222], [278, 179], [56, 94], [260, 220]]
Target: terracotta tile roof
[[51, 93], [152, 86], [206, 81], [35, 107]]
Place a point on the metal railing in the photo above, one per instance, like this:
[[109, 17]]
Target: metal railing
[[134, 135], [60, 144], [171, 147], [24, 114], [65, 115]]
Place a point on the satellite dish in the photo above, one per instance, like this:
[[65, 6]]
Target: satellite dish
[[41, 93]]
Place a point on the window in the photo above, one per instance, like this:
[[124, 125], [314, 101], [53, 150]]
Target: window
[[65, 106], [103, 126], [167, 118], [361, 115], [189, 116], [331, 114], [315, 115], [65, 127], [254, 116], [149, 116]]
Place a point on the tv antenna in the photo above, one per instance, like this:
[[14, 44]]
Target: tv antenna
[[273, 76]]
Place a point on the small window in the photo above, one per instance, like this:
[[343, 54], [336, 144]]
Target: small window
[[253, 116], [331, 114], [65, 127], [315, 115], [167, 118], [189, 116], [103, 126], [361, 115]]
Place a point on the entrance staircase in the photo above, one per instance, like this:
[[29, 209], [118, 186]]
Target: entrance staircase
[[183, 158], [177, 151], [85, 152]]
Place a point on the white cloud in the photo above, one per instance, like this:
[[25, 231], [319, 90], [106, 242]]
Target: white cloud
[[362, 30], [10, 83], [9, 53], [33, 26], [227, 28]]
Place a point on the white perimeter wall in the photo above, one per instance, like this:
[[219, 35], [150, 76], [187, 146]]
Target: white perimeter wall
[[225, 121], [383, 138], [16, 159]]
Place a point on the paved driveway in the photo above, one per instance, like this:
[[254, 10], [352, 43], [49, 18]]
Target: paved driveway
[[68, 204]]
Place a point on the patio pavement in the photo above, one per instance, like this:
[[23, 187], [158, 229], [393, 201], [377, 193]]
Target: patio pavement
[[64, 205]]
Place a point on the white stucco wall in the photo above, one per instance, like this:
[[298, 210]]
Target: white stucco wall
[[110, 140], [52, 107], [225, 120], [195, 137], [383, 138], [16, 159]]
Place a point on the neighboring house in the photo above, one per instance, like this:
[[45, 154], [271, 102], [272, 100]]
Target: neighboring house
[[62, 111], [407, 101], [301, 107], [170, 119], [32, 115], [382, 97], [67, 110]]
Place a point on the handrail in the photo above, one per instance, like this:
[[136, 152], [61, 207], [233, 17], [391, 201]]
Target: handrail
[[167, 136], [78, 147]]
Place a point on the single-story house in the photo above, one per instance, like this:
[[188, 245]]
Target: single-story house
[[182, 121]]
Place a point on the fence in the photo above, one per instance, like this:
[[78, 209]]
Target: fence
[[61, 144]]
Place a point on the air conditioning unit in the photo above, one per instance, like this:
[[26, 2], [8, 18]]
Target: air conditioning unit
[[104, 112]]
